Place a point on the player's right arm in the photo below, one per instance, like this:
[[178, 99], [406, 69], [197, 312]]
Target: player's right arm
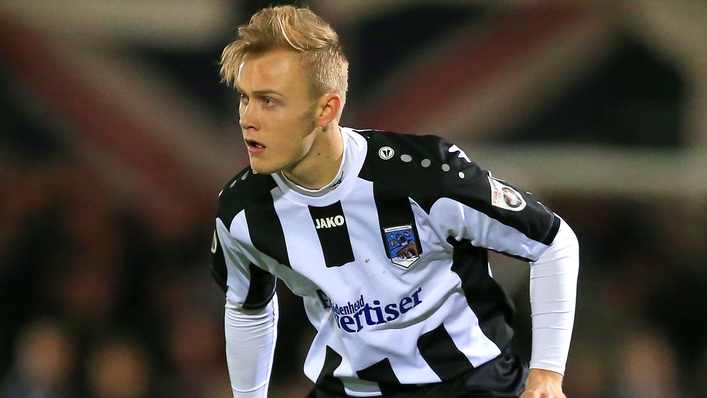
[[250, 344], [250, 319]]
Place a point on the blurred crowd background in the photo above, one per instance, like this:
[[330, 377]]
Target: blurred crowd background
[[116, 137]]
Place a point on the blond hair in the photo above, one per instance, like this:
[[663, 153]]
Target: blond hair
[[295, 29]]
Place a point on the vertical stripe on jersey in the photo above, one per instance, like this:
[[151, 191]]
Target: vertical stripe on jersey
[[333, 234], [484, 295], [382, 373], [326, 380], [266, 230], [261, 289], [394, 210], [442, 355]]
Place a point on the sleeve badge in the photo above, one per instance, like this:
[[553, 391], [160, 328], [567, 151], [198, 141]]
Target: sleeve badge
[[505, 196]]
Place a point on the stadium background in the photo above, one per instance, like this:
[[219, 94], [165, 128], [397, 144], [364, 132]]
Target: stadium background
[[116, 136]]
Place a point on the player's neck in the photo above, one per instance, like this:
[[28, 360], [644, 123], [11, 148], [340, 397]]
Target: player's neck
[[321, 165]]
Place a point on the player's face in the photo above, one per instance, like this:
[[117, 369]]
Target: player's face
[[277, 115]]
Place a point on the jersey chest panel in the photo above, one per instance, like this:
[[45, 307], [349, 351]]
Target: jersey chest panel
[[371, 270]]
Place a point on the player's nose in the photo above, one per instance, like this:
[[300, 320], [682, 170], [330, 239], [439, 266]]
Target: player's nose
[[248, 117]]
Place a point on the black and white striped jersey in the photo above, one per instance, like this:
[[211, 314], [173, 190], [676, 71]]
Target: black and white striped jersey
[[391, 263]]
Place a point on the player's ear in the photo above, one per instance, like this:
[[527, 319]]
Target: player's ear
[[329, 107]]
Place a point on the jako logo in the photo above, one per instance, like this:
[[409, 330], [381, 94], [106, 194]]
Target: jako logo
[[329, 222]]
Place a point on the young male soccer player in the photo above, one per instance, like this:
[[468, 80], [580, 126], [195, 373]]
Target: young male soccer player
[[393, 271]]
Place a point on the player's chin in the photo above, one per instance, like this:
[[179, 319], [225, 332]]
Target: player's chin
[[262, 166]]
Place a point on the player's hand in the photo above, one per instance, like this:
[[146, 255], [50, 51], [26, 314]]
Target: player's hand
[[543, 384]]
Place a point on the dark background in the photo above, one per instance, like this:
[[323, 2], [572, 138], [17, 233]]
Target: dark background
[[116, 136]]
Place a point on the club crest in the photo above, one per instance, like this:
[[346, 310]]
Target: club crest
[[401, 245]]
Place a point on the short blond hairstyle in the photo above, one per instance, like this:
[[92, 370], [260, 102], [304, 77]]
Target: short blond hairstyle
[[295, 29]]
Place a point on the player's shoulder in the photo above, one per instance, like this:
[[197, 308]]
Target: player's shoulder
[[425, 156], [409, 165], [244, 189], [387, 145]]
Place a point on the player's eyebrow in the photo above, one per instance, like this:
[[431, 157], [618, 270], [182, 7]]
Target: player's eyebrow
[[261, 93]]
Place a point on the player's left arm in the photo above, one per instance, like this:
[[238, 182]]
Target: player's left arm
[[500, 217], [553, 292]]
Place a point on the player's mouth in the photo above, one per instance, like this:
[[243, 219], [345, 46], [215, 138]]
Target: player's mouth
[[254, 147]]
